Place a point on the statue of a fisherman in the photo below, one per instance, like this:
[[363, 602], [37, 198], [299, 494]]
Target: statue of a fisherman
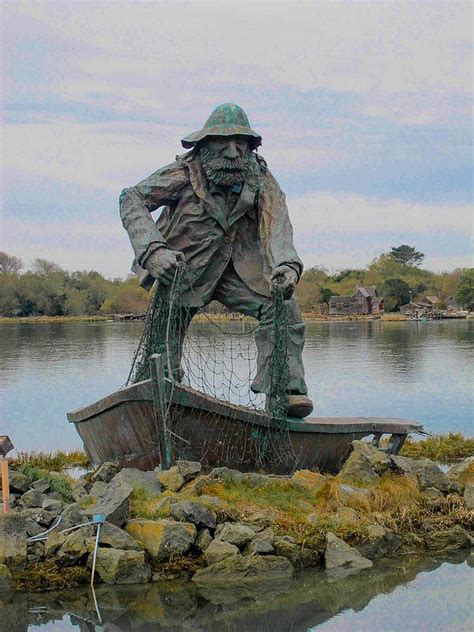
[[226, 217]]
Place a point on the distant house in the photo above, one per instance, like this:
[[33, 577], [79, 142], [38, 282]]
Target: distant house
[[365, 300], [424, 308]]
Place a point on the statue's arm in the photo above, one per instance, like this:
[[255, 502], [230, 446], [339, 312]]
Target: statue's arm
[[137, 203], [276, 231]]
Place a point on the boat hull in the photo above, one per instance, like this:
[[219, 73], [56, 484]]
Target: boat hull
[[123, 428]]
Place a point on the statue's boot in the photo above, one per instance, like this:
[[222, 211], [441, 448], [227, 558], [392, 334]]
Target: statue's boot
[[299, 406]]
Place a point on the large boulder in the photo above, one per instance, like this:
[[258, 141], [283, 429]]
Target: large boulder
[[308, 479], [234, 533], [365, 463], [299, 556], [203, 540], [446, 540], [462, 473], [115, 566], [469, 495], [340, 555], [12, 540], [52, 505], [138, 480], [40, 516], [218, 551], [171, 479], [115, 538], [74, 549], [162, 539], [426, 473], [196, 513], [114, 503], [380, 542], [43, 485], [259, 547]]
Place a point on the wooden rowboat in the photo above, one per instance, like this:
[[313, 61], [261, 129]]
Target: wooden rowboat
[[128, 427]]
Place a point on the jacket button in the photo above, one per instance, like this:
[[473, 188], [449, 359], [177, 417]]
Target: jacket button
[[227, 240]]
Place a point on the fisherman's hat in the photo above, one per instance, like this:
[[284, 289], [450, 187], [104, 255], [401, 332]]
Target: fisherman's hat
[[228, 119]]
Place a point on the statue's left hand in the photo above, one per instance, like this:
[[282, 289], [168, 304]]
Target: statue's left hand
[[284, 278]]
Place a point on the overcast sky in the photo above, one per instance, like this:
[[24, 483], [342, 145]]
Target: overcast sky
[[364, 109]]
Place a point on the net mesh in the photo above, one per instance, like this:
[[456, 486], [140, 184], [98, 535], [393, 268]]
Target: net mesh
[[220, 361]]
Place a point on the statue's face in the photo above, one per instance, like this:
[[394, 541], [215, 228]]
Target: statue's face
[[226, 159]]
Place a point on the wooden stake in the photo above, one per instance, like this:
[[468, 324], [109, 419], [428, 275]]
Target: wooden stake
[[5, 484]]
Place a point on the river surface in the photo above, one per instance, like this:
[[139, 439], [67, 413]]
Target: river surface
[[398, 595], [412, 370]]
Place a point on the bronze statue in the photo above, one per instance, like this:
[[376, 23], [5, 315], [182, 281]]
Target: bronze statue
[[226, 217]]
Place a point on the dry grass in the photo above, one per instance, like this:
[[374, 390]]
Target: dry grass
[[6, 320], [57, 461], [446, 449], [48, 576]]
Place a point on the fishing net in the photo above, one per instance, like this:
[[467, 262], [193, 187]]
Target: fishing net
[[218, 360]]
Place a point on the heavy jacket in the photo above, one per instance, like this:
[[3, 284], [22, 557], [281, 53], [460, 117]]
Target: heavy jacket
[[256, 235]]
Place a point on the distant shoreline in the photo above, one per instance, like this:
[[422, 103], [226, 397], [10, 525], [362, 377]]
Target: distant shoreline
[[308, 317]]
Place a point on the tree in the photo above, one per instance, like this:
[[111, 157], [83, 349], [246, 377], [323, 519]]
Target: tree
[[398, 291], [325, 294], [9, 263], [407, 255], [464, 294], [43, 266]]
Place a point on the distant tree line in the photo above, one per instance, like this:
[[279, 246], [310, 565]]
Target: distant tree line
[[46, 289]]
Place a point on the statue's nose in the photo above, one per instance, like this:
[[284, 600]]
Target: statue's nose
[[230, 151]]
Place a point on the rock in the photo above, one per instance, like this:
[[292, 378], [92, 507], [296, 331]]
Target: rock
[[72, 516], [115, 566], [53, 506], [432, 493], [196, 513], [43, 485], [234, 533], [226, 474], [348, 492], [54, 542], [365, 463], [469, 495], [448, 539], [425, 472], [138, 480], [382, 542], [116, 538], [32, 498], [203, 539], [38, 515], [80, 488], [299, 556], [285, 538], [213, 501], [171, 479], [259, 547], [196, 486], [218, 551], [346, 516], [162, 539], [35, 552], [462, 473], [308, 479], [105, 473], [33, 528], [265, 535], [5, 579], [97, 489], [189, 469], [12, 539], [114, 503], [164, 504], [74, 548], [340, 555], [19, 482], [237, 572]]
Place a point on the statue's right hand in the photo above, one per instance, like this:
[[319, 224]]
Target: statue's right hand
[[162, 264]]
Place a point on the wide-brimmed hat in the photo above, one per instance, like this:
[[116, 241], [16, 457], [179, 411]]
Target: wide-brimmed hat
[[227, 119]]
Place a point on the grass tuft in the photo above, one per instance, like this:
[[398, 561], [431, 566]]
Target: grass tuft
[[446, 449], [47, 576], [57, 461]]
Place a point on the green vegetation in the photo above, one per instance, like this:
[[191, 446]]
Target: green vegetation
[[48, 290], [446, 449]]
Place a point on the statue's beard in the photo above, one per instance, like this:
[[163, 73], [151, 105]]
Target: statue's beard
[[226, 172]]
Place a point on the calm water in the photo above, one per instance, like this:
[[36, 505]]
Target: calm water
[[419, 371], [400, 595]]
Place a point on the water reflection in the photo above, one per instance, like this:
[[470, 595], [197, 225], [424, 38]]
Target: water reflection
[[421, 371], [309, 601]]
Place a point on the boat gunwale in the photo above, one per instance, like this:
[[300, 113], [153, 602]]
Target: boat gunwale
[[186, 396]]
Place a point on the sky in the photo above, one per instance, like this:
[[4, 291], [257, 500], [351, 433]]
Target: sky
[[364, 109]]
